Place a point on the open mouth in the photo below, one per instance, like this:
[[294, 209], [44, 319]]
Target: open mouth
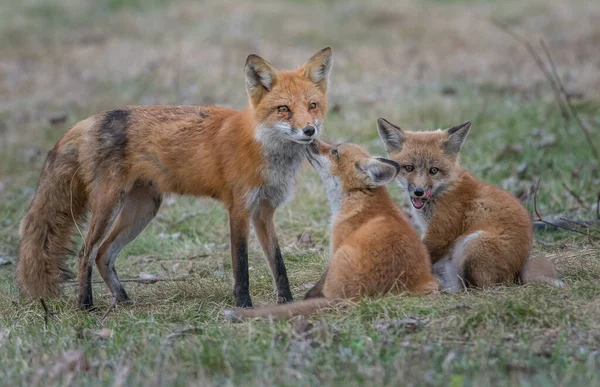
[[419, 202]]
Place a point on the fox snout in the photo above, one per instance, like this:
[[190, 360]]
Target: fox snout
[[419, 195], [309, 130]]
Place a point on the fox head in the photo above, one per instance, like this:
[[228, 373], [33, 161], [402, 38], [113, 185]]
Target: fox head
[[347, 167], [428, 160], [289, 105]]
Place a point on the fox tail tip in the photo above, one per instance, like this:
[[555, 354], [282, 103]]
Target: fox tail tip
[[232, 316]]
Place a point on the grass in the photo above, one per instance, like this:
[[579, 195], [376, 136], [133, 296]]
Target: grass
[[422, 65]]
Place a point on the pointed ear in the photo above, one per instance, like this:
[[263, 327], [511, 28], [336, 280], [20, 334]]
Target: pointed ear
[[260, 77], [379, 171], [318, 67], [456, 137], [392, 136]]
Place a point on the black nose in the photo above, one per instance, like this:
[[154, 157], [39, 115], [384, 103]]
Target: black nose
[[419, 192], [309, 130]]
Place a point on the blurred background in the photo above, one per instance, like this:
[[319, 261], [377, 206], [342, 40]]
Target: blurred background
[[421, 64]]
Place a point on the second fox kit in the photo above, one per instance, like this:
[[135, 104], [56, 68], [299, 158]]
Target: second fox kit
[[119, 164], [477, 234], [374, 249]]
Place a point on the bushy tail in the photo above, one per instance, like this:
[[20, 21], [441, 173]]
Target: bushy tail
[[540, 271], [283, 312], [48, 226]]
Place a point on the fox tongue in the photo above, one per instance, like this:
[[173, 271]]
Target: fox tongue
[[418, 203], [428, 193]]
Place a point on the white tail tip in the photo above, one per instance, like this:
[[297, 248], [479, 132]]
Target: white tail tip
[[232, 316]]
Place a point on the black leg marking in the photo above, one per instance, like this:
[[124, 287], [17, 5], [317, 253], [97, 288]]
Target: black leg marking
[[86, 301], [284, 294], [120, 295], [241, 289]]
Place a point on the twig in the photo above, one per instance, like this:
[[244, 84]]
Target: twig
[[46, 312], [567, 97], [598, 207], [112, 306], [138, 280], [540, 219], [540, 63], [575, 196]]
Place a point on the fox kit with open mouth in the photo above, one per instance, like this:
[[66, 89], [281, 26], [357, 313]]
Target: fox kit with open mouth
[[374, 249], [117, 165], [477, 234]]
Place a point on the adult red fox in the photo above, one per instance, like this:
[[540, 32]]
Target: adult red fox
[[374, 249], [477, 234], [118, 164]]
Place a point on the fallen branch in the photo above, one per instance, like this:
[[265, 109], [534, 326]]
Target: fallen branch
[[567, 98], [556, 225], [145, 281]]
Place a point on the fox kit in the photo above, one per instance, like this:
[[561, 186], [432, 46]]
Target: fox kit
[[476, 233], [118, 164], [374, 249]]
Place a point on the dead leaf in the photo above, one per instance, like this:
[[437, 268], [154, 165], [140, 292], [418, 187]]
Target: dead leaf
[[543, 137], [408, 324], [305, 240], [105, 333], [70, 363], [449, 90], [182, 331], [57, 118], [92, 334], [303, 327]]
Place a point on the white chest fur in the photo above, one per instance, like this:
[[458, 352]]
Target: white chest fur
[[283, 160]]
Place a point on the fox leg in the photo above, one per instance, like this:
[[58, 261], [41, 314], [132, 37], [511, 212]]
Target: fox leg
[[239, 225], [140, 205], [262, 219], [106, 204]]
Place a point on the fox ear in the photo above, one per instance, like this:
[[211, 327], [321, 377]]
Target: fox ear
[[318, 67], [379, 171], [392, 136], [260, 77], [456, 137]]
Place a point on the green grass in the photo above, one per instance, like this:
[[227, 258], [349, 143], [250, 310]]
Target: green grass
[[391, 60]]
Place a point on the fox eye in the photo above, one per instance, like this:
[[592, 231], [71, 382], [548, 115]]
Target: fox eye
[[409, 168], [433, 171], [312, 106], [283, 109], [335, 153]]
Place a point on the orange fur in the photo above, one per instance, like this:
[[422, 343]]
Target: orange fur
[[118, 164], [375, 251], [477, 230]]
